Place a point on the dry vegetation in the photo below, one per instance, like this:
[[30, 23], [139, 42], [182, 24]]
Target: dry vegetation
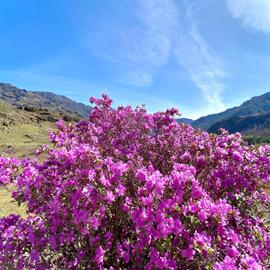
[[21, 133]]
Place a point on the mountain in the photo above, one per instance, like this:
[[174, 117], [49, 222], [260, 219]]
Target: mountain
[[22, 98], [185, 121], [256, 105], [26, 118], [23, 131], [258, 124]]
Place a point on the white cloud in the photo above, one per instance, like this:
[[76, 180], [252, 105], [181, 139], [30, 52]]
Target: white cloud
[[253, 13], [139, 78], [158, 20], [194, 54], [147, 46], [170, 32], [137, 42], [147, 36]]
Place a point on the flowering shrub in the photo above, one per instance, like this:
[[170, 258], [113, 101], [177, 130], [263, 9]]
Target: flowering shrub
[[129, 190]]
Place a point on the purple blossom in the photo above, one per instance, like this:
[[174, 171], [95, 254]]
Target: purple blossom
[[99, 257], [188, 253], [131, 190]]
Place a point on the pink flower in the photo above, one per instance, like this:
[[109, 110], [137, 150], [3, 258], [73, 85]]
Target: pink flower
[[233, 252], [188, 253], [227, 264], [35, 255], [142, 189], [250, 263], [99, 257], [141, 175], [110, 197]]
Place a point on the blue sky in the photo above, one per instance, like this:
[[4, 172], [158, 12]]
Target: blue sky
[[201, 56]]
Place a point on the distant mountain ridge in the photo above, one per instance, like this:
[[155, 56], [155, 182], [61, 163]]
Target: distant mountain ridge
[[251, 125], [251, 117], [255, 106], [185, 121], [42, 100]]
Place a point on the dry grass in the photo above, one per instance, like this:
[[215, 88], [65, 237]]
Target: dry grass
[[23, 139], [20, 140], [9, 206]]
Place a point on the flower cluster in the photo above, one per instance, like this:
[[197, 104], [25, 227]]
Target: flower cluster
[[130, 190]]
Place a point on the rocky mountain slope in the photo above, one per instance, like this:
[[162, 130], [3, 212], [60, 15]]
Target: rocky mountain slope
[[185, 121], [255, 124], [22, 98], [23, 131], [254, 106]]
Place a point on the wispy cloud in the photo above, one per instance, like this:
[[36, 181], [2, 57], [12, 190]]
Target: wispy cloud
[[135, 46], [158, 20], [149, 47], [155, 32], [193, 53], [205, 69], [253, 13], [137, 42]]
